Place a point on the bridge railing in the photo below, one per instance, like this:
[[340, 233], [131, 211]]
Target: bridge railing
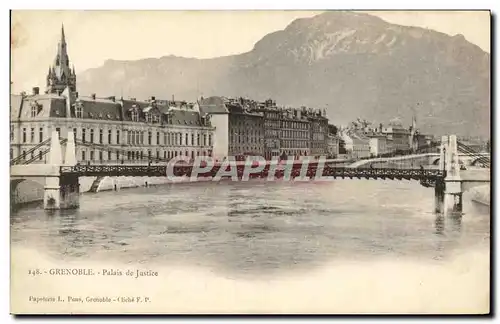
[[296, 171]]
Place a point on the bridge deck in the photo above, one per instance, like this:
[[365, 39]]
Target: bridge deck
[[294, 172]]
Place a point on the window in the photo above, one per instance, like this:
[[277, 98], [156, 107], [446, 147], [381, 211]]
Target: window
[[74, 132], [91, 155], [137, 137], [205, 139], [58, 130], [24, 155], [149, 138], [148, 117], [40, 155], [149, 154], [134, 115], [11, 132], [187, 139], [142, 155], [24, 135], [100, 155], [209, 140], [34, 110], [157, 138], [100, 137], [141, 139], [117, 137], [11, 153], [132, 137], [109, 136], [157, 155], [91, 139], [164, 155], [198, 139], [84, 137], [79, 111], [32, 135], [192, 139], [109, 155], [128, 155], [32, 155]]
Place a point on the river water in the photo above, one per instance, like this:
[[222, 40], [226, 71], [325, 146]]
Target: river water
[[254, 229]]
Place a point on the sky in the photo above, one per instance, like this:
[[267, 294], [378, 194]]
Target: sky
[[95, 36]]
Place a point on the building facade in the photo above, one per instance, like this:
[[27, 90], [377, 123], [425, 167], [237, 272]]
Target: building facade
[[333, 146], [378, 145], [106, 130], [399, 135], [264, 129], [246, 128]]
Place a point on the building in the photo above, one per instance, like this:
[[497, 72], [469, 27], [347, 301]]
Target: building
[[378, 145], [132, 131], [214, 110], [272, 129], [297, 133], [262, 128], [399, 135], [319, 132], [360, 147], [246, 128], [333, 145], [355, 145]]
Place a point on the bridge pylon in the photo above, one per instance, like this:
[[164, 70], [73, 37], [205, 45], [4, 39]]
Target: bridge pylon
[[448, 192], [70, 153], [61, 192]]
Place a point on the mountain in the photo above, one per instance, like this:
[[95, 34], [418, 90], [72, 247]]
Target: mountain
[[352, 64]]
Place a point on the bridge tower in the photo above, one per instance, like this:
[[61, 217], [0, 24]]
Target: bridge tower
[[61, 192], [448, 192]]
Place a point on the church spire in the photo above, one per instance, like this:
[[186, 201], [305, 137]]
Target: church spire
[[63, 38], [61, 75]]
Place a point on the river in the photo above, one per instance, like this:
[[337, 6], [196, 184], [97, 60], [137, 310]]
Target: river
[[255, 229]]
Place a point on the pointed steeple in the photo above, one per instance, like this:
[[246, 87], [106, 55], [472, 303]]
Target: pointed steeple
[[63, 38], [61, 75]]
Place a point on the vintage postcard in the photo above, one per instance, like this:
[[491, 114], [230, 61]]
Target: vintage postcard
[[250, 162]]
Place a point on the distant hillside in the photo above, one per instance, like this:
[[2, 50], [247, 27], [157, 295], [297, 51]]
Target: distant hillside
[[354, 65]]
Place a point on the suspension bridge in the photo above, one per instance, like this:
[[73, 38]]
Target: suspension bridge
[[62, 173]]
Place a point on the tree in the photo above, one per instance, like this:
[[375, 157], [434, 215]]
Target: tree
[[332, 129]]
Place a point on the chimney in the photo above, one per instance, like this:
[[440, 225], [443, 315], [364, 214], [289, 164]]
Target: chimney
[[36, 91], [93, 96], [173, 98]]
